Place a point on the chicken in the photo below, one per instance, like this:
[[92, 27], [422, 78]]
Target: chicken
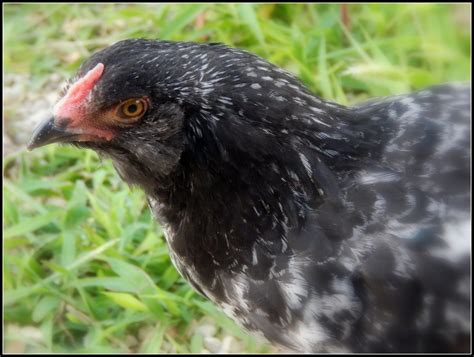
[[319, 226]]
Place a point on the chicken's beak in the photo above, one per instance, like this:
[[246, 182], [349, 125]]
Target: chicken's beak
[[47, 133]]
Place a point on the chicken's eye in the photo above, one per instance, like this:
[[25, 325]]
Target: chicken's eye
[[132, 109]]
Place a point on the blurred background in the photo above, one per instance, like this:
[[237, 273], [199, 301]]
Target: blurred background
[[86, 269]]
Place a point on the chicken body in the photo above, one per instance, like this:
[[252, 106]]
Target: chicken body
[[319, 226]]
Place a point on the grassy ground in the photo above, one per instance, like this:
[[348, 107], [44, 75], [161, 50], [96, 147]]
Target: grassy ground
[[85, 267]]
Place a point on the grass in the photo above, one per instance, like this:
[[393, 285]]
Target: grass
[[86, 268]]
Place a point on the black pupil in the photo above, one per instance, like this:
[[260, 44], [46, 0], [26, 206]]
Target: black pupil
[[132, 108]]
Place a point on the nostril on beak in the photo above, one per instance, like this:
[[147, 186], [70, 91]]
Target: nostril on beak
[[47, 133]]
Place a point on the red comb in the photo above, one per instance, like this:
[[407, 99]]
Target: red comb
[[71, 105]]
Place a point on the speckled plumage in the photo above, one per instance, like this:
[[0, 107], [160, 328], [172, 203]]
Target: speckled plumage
[[322, 227]]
